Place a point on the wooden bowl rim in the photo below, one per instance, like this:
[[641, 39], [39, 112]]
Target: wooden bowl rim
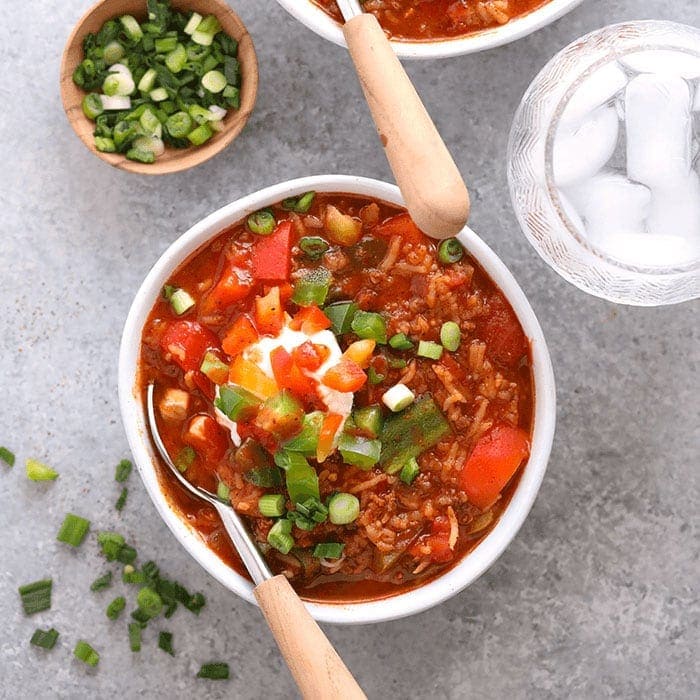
[[179, 159]]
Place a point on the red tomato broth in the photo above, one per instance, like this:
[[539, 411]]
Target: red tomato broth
[[355, 276], [431, 20]]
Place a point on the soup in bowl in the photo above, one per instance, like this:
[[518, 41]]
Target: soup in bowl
[[379, 406]]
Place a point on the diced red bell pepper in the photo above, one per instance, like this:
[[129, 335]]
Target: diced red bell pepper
[[186, 342], [269, 315], [207, 437], [492, 463], [310, 320], [330, 426], [272, 254], [345, 376], [309, 356], [239, 336], [399, 225], [289, 376], [234, 285]]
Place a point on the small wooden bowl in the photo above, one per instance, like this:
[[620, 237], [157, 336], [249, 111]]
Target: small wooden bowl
[[174, 159]]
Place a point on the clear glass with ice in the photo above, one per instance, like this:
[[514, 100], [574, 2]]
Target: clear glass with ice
[[604, 163]]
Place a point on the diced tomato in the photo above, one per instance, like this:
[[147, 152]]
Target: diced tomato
[[248, 375], [492, 463], [289, 376], [239, 336], [309, 356], [436, 544], [269, 316], [326, 438], [501, 331], [310, 320], [207, 437], [361, 352], [272, 254], [234, 285], [399, 225], [186, 342], [440, 550], [345, 376]]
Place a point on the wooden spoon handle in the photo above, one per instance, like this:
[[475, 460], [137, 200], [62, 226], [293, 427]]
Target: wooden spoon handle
[[435, 194], [317, 669]]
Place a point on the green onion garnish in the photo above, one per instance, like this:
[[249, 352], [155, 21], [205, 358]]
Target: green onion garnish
[[185, 458], [450, 336], [313, 247], [429, 349], [73, 530], [450, 251], [131, 575], [223, 492], [400, 341], [343, 508], [135, 636], [299, 204], [149, 602], [122, 471], [86, 653], [36, 596], [37, 471], [111, 544], [115, 608], [262, 222], [409, 471], [280, 536], [165, 642], [46, 639], [328, 550], [121, 501], [7, 456], [101, 583], [214, 672], [368, 324], [272, 505]]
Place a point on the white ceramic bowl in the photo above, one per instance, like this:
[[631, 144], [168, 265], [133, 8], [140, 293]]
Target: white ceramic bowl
[[318, 21], [133, 414]]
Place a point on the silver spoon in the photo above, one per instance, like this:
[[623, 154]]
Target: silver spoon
[[317, 669]]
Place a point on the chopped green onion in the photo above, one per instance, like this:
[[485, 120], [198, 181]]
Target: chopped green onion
[[368, 419], [375, 377], [126, 554], [200, 135], [149, 602], [450, 335], [116, 607], [280, 536], [7, 456], [104, 144], [131, 28], [165, 44], [141, 617], [306, 441], [181, 301], [36, 596], [409, 471], [359, 451], [328, 550], [214, 672], [192, 23], [158, 95], [111, 544], [165, 642], [214, 81], [272, 505], [398, 397], [429, 349], [185, 458], [85, 653], [265, 477], [311, 509], [312, 287], [343, 508], [102, 582], [37, 471], [340, 315], [148, 80], [396, 362], [237, 403], [178, 125], [46, 639], [73, 530], [262, 222], [121, 501], [140, 156], [400, 341], [123, 471], [369, 325], [135, 636], [299, 204], [301, 481], [92, 105], [176, 59], [113, 53], [223, 492], [214, 368], [131, 575], [450, 251], [313, 246]]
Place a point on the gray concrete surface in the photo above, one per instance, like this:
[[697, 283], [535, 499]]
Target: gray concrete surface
[[597, 596]]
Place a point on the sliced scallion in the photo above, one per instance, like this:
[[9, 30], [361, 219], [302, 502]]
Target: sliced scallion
[[116, 607], [272, 505], [328, 550], [165, 642], [73, 530], [409, 471], [450, 251], [149, 602], [343, 508], [400, 341], [7, 456], [38, 471], [135, 636], [121, 501], [262, 222], [429, 349], [123, 470], [104, 581], [36, 596], [46, 639], [398, 397], [280, 536], [313, 246], [85, 653], [369, 325], [214, 671]]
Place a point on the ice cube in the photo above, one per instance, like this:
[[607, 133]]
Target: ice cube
[[679, 63], [675, 210], [581, 150], [659, 129], [609, 205], [570, 211], [594, 91], [647, 249]]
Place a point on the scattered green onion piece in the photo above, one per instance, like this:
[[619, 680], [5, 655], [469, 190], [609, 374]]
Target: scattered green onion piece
[[149, 602], [340, 315], [312, 287], [7, 456], [409, 471], [176, 59], [116, 607], [359, 451], [232, 95], [343, 508], [328, 550], [178, 125], [46, 639], [450, 251], [214, 368], [400, 341], [85, 653], [272, 505], [135, 636], [280, 536], [398, 397], [148, 80], [130, 575], [214, 81], [313, 247], [450, 336], [126, 554], [105, 144], [92, 105], [214, 672], [369, 325], [299, 204], [113, 53], [121, 501], [306, 441], [73, 530], [192, 23], [375, 377], [165, 642], [313, 510], [301, 481], [396, 362], [141, 156], [104, 581], [237, 403], [165, 44], [185, 458], [36, 596], [37, 471], [262, 222], [131, 27], [123, 471], [429, 349], [159, 94], [111, 544], [223, 492]]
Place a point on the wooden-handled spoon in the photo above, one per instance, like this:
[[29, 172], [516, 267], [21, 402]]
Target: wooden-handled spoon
[[317, 669], [435, 194]]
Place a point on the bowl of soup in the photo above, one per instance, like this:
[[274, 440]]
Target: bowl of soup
[[379, 406], [437, 28]]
